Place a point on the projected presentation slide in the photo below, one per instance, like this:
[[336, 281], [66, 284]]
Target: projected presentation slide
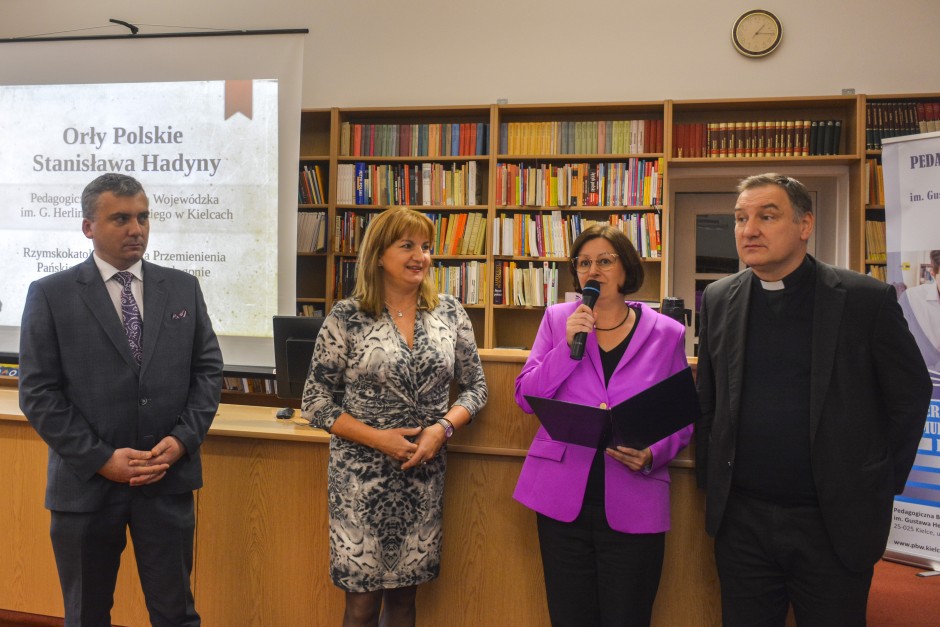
[[206, 153]]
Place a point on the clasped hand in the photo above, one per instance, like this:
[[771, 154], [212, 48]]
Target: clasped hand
[[396, 444], [137, 468]]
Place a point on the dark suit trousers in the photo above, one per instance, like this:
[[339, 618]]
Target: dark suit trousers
[[596, 576], [88, 549], [769, 556]]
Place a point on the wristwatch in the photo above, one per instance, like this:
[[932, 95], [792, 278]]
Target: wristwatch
[[448, 427]]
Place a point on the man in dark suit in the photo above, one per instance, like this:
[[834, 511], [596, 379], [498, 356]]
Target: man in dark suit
[[814, 398], [123, 409]]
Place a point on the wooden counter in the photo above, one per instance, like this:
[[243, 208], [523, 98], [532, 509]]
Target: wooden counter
[[262, 552]]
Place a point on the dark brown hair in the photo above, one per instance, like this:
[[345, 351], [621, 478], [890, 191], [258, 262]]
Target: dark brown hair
[[800, 199], [120, 185], [626, 253]]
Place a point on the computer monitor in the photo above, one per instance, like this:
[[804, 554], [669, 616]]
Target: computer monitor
[[294, 338]]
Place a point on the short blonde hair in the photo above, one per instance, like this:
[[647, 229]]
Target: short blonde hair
[[384, 230]]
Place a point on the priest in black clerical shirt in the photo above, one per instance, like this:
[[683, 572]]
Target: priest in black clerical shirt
[[814, 397]]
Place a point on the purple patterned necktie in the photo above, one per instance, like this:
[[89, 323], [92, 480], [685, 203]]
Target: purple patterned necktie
[[133, 325]]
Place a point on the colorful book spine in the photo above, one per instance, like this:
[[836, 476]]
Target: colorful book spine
[[414, 140]]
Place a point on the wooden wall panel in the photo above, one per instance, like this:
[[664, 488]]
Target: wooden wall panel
[[262, 547], [262, 553], [29, 581]]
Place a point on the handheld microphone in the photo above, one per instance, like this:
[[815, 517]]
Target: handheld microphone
[[589, 294]]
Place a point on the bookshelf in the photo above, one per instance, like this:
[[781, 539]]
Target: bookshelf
[[313, 262], [242, 385], [887, 116], [779, 150], [551, 167], [557, 169], [435, 160]]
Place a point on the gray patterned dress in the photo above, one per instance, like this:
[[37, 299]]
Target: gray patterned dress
[[385, 524]]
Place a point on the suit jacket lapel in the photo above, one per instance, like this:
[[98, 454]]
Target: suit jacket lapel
[[829, 303], [155, 297], [739, 299], [95, 296]]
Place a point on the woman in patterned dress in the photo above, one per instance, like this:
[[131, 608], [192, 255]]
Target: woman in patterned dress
[[395, 347]]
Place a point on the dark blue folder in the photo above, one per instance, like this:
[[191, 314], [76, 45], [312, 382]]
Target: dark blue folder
[[648, 417]]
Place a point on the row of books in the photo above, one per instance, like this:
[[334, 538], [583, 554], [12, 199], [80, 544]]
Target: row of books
[[875, 182], [344, 278], [312, 230], [762, 138], [635, 182], [551, 234], [895, 119], [349, 227], [312, 191], [581, 137], [405, 184], [250, 385], [875, 241], [310, 311], [458, 233], [521, 234], [878, 272], [535, 285], [414, 140], [466, 281], [454, 233]]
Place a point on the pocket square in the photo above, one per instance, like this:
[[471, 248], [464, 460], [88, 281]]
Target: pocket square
[[179, 314]]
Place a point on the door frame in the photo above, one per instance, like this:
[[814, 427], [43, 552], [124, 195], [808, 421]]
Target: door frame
[[829, 185], [832, 220]]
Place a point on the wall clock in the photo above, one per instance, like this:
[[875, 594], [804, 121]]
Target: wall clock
[[756, 33]]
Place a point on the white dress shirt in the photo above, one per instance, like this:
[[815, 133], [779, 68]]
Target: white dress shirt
[[114, 286]]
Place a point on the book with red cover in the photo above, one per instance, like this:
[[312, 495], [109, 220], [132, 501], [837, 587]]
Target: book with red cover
[[641, 420]]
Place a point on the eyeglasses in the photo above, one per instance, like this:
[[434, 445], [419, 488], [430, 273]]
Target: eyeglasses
[[604, 262]]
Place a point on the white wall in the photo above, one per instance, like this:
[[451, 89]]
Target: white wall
[[424, 52]]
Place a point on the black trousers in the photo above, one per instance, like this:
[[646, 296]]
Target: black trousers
[[595, 576], [770, 556], [88, 549]]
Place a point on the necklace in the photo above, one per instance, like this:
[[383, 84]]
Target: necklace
[[616, 326], [398, 312]]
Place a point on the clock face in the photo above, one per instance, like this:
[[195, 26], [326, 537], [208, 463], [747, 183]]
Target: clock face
[[756, 33]]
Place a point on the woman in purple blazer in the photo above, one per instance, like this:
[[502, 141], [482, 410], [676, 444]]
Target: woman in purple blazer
[[602, 513]]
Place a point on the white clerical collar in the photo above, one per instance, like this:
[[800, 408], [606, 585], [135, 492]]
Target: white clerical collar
[[772, 286]]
